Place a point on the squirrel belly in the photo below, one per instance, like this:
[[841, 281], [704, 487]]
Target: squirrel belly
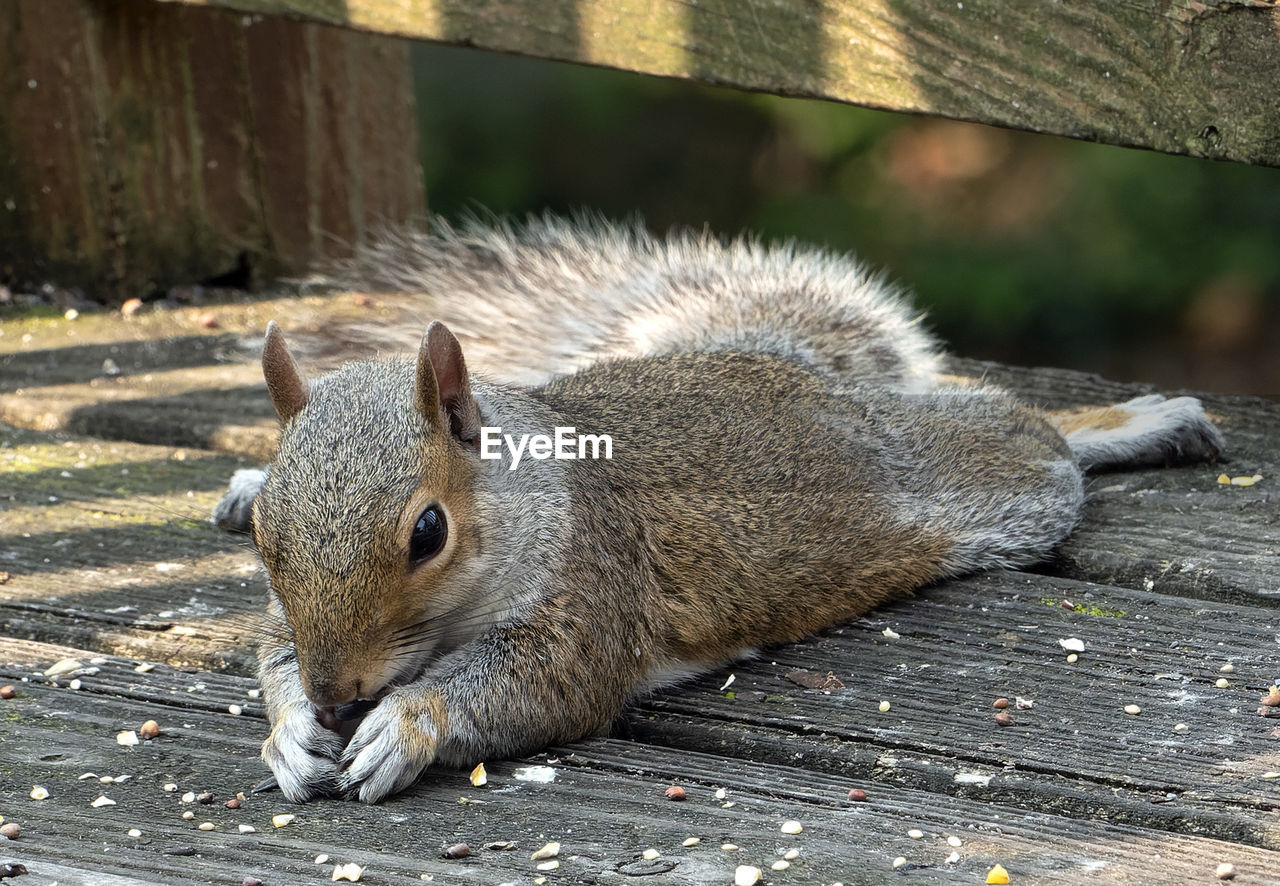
[[774, 468]]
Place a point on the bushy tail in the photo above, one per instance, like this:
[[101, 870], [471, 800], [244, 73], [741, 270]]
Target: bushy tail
[[1146, 430]]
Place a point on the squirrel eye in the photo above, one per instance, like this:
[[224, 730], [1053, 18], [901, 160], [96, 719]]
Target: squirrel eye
[[429, 535]]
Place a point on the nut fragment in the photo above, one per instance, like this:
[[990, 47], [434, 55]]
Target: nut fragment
[[884, 706], [675, 792], [1272, 698], [149, 729], [128, 738], [857, 795], [1004, 718], [1000, 703], [10, 830], [457, 850], [479, 777], [39, 793], [350, 872], [791, 827], [1225, 871], [550, 850], [233, 803], [746, 875], [205, 799], [997, 875], [103, 800], [282, 819], [7, 692]]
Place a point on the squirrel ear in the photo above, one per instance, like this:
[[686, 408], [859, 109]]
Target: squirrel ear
[[443, 384], [287, 387]]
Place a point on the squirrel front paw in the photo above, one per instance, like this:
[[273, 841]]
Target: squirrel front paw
[[396, 741], [302, 753]]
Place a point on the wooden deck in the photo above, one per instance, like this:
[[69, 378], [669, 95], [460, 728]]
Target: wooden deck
[[108, 559]]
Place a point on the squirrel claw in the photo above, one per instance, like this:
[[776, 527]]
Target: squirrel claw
[[389, 750]]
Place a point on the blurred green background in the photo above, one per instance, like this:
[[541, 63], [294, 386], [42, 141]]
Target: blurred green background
[[1021, 248]]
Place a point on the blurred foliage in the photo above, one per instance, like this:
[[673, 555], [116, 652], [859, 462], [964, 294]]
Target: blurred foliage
[[1022, 248]]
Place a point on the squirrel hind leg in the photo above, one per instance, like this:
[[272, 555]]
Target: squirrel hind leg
[[1148, 430], [234, 512]]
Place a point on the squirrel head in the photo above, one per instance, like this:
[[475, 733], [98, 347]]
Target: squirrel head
[[367, 522]]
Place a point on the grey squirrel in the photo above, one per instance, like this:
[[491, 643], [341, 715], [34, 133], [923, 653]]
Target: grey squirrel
[[786, 454]]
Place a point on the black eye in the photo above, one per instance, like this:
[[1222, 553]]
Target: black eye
[[429, 534]]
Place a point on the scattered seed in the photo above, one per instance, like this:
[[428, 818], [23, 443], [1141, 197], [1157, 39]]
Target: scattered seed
[[189, 815], [135, 833], [954, 842], [1004, 719], [322, 858], [780, 865], [250, 881], [1072, 644], [248, 829], [1132, 710], [63, 666], [282, 819], [1227, 668], [170, 787], [1221, 683], [1224, 480], [550, 850], [501, 845], [457, 850], [650, 854], [891, 634], [792, 854], [952, 858], [998, 875], [7, 692], [548, 865], [1000, 703], [746, 875], [10, 830], [1072, 658], [479, 777], [1023, 704], [205, 826], [915, 834], [675, 792], [729, 682], [729, 847], [1270, 775], [691, 841], [350, 872], [233, 803], [1245, 481], [791, 827], [857, 795], [189, 797], [39, 793], [1225, 871], [205, 799], [253, 693], [721, 793], [899, 861], [103, 800], [884, 706], [149, 730], [128, 738], [75, 684], [1180, 727]]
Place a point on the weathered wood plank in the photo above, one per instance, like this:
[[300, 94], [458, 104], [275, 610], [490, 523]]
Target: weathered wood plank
[[613, 788], [1182, 77], [144, 145]]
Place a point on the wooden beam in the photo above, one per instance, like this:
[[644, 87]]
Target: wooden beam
[[143, 145], [1180, 76]]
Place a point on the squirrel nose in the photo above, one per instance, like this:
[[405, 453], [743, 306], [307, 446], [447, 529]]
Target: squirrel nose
[[331, 692]]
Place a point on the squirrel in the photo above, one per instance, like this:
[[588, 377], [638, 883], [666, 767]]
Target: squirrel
[[786, 453]]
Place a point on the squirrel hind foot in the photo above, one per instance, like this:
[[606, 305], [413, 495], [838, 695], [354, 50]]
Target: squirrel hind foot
[[234, 512], [1147, 430]]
